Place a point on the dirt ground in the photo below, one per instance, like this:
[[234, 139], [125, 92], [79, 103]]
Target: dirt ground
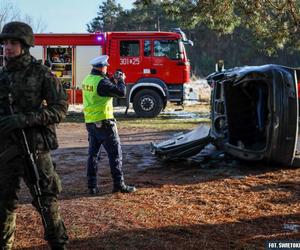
[[218, 205]]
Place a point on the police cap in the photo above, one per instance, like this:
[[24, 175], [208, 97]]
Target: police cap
[[100, 61]]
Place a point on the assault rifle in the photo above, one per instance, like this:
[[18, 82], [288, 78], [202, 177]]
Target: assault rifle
[[31, 170]]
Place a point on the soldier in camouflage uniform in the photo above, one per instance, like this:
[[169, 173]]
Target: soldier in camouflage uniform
[[38, 102]]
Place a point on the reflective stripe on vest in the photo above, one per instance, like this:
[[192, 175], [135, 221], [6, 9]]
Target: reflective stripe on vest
[[95, 108]]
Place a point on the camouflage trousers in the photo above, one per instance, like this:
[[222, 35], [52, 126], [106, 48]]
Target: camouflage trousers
[[10, 177]]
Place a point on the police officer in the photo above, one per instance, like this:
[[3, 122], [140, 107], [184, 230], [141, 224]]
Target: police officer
[[36, 102], [98, 93]]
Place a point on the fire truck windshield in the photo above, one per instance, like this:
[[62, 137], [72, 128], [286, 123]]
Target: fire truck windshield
[[168, 48]]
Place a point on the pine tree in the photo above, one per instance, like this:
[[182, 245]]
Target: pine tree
[[106, 18]]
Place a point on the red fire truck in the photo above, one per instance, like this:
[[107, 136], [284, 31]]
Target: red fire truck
[[155, 64]]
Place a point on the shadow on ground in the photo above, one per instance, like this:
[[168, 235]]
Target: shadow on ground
[[243, 234]]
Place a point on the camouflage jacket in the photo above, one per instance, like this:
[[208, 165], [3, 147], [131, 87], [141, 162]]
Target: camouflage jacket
[[38, 94]]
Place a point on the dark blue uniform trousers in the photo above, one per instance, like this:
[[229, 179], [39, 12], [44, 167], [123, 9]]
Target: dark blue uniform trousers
[[106, 135]]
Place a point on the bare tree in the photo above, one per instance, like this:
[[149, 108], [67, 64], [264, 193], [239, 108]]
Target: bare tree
[[37, 25], [9, 12]]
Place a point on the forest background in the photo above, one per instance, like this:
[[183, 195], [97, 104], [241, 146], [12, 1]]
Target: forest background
[[240, 32]]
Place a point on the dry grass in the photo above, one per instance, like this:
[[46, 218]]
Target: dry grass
[[220, 205]]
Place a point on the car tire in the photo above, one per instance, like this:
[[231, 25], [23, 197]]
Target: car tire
[[147, 103]]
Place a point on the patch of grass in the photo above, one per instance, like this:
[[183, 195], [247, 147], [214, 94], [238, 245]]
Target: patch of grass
[[162, 122]]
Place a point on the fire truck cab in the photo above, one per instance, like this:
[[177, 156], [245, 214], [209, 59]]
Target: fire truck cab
[[155, 64]]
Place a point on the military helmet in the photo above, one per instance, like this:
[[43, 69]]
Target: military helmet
[[18, 30]]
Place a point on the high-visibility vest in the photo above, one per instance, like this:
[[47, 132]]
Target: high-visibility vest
[[95, 108]]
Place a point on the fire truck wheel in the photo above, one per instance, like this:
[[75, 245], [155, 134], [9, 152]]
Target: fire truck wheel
[[147, 103]]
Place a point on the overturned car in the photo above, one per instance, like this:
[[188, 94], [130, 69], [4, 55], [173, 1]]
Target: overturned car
[[254, 117]]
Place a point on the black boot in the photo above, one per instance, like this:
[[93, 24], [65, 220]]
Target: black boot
[[124, 189], [60, 247], [93, 191]]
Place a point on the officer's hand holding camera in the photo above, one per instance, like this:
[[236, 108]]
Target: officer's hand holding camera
[[119, 76]]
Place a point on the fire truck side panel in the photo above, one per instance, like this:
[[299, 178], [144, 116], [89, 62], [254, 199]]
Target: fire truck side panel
[[70, 39], [133, 56], [83, 54], [147, 57], [153, 83], [165, 67], [156, 68], [125, 55], [37, 52]]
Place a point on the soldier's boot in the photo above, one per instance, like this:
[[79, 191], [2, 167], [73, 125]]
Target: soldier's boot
[[58, 247], [55, 231], [123, 188], [94, 191], [60, 243]]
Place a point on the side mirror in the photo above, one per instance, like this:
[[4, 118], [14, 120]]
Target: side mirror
[[190, 42]]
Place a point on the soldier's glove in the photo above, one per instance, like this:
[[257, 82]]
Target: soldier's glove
[[12, 122]]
